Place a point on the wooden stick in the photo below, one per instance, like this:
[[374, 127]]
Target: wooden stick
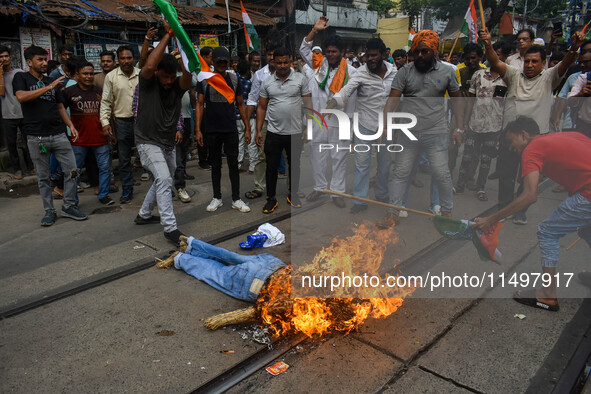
[[573, 244], [382, 204], [481, 13], [454, 45]]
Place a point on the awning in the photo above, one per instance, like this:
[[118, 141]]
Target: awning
[[134, 11]]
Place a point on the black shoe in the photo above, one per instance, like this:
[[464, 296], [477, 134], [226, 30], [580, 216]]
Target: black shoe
[[189, 177], [126, 197], [356, 208], [339, 202], [494, 175], [49, 218], [151, 220], [205, 167], [107, 201], [174, 236], [270, 205]]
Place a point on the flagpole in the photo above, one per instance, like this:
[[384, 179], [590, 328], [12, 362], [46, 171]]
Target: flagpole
[[228, 13], [481, 14], [454, 45]]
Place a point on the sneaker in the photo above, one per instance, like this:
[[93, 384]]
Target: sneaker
[[151, 220], [214, 204], [49, 218], [107, 200], [174, 236], [241, 206], [520, 218], [387, 221], [270, 205], [183, 195], [435, 209], [85, 185], [295, 201], [401, 213], [145, 176], [356, 208], [126, 197], [80, 189], [18, 175], [74, 213]]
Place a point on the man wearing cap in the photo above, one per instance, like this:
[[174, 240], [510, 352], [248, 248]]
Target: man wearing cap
[[218, 114], [424, 84], [330, 75]]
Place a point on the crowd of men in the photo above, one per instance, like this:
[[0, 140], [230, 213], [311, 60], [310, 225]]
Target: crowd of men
[[73, 119]]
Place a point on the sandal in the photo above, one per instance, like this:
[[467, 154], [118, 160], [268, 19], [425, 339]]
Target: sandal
[[481, 195], [251, 195], [529, 298]]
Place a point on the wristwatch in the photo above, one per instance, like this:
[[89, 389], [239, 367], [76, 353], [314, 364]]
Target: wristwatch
[[458, 130]]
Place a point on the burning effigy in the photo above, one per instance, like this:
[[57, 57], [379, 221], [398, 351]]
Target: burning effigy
[[267, 281]]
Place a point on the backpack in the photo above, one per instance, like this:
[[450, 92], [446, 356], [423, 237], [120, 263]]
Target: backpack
[[215, 96]]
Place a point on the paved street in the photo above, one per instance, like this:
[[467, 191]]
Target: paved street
[[144, 332]]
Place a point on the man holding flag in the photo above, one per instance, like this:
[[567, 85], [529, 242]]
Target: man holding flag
[[159, 109], [331, 74]]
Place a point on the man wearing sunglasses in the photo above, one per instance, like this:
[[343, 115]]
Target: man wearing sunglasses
[[524, 41], [46, 133]]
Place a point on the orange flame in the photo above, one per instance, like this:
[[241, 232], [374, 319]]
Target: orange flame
[[345, 308]]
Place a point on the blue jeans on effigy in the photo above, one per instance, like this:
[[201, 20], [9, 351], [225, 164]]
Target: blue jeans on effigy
[[435, 148], [236, 275], [362, 170], [573, 214]]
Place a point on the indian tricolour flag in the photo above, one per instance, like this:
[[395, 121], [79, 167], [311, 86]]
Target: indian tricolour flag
[[411, 35], [469, 26], [193, 62], [252, 38]]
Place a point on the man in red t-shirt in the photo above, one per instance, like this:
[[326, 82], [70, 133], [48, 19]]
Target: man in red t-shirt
[[564, 158], [84, 101]]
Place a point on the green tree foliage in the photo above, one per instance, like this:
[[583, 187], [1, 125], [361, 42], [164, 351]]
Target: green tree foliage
[[381, 6], [413, 8]]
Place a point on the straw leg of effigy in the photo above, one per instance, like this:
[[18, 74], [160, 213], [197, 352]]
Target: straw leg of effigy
[[235, 317]]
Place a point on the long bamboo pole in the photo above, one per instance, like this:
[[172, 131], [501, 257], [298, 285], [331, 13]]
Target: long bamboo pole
[[454, 45], [382, 204], [481, 14]]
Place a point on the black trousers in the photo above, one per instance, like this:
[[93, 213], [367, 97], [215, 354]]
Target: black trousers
[[508, 167], [275, 144], [228, 143], [182, 150]]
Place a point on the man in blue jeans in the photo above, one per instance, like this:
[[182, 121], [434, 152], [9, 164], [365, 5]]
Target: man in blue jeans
[[116, 105], [423, 84], [46, 132], [83, 100], [371, 82], [564, 158]]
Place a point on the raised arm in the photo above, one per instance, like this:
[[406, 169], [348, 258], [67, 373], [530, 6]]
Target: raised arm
[[495, 63], [306, 47], [575, 43], [144, 52], [152, 63]]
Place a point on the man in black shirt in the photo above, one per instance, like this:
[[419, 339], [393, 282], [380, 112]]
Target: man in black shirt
[[159, 109], [46, 133], [218, 115]]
